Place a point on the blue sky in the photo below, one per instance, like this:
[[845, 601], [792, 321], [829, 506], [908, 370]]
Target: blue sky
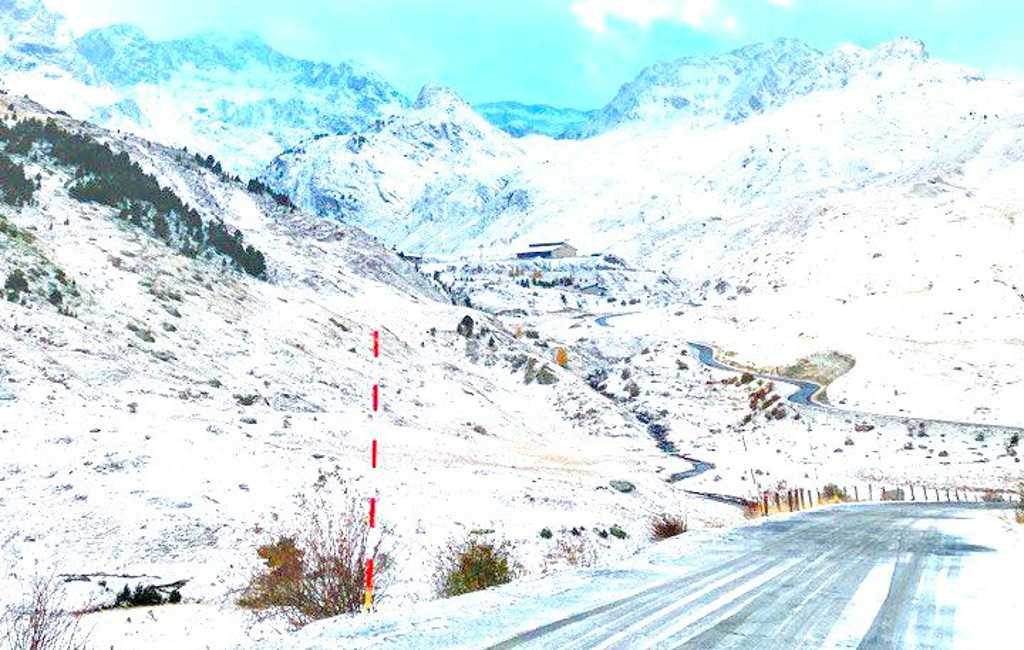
[[566, 52]]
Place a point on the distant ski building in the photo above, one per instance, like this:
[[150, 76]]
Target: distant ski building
[[549, 250]]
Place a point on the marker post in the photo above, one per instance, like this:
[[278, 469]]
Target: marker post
[[372, 517]]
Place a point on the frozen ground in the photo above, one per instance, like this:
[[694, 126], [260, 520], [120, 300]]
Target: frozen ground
[[173, 424]]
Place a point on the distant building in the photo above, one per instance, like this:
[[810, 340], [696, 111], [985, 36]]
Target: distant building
[[595, 290], [550, 250]]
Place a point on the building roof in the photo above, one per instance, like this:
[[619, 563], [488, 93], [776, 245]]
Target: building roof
[[544, 248]]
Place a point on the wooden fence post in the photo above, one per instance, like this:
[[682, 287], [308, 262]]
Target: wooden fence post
[[913, 497], [856, 496], [871, 495]]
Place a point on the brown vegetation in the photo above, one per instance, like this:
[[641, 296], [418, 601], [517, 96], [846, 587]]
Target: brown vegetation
[[666, 526], [321, 572], [465, 567]]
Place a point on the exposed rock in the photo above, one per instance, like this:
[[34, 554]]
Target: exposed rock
[[246, 400], [546, 376], [465, 327], [633, 389], [622, 486], [531, 371]]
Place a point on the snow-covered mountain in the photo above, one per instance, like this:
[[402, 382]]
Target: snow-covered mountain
[[421, 179], [519, 119], [233, 97], [734, 86], [658, 170]]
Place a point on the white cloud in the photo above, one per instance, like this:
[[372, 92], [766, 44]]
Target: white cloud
[[785, 4], [594, 14]]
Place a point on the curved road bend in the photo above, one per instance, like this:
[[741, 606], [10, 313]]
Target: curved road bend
[[807, 390]]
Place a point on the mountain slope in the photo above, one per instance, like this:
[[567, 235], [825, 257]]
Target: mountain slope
[[889, 147], [734, 86], [234, 97], [174, 409], [434, 173]]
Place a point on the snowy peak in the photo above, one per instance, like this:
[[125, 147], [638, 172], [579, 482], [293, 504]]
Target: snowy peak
[[436, 96], [904, 48], [234, 97], [731, 87], [31, 35], [439, 165]]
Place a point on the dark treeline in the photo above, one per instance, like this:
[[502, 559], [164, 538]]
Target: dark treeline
[[116, 181]]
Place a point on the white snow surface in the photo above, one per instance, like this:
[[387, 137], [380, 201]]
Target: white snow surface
[[124, 456]]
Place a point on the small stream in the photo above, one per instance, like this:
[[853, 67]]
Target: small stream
[[805, 390]]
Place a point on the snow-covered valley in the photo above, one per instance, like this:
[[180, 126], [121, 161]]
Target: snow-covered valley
[[174, 396]]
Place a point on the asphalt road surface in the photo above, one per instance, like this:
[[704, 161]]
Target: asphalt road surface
[[883, 576]]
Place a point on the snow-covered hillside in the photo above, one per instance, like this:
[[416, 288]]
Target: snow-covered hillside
[[434, 174], [732, 87], [233, 97], [160, 411], [880, 179]]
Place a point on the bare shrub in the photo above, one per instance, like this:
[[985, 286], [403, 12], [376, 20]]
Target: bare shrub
[[321, 571], [573, 551], [39, 621], [666, 526], [472, 565], [993, 496], [832, 493]]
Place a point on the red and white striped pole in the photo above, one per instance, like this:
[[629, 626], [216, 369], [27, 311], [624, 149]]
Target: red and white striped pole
[[375, 406]]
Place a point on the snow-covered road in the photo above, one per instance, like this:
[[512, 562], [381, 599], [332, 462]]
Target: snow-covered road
[[867, 576]]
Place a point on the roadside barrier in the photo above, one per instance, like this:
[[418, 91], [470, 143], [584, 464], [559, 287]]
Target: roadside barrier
[[797, 499]]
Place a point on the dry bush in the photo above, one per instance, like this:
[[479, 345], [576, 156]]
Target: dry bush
[[562, 357], [574, 551], [832, 493], [464, 567], [992, 496], [321, 572], [666, 526], [40, 622]]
